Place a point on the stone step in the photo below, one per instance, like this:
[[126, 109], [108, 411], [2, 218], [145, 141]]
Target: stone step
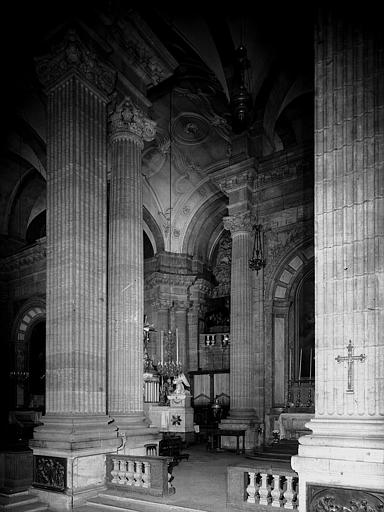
[[21, 502], [114, 501]]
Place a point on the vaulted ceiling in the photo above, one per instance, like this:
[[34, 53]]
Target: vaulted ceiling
[[192, 108]]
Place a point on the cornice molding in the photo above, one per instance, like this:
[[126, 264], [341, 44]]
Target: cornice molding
[[25, 258]]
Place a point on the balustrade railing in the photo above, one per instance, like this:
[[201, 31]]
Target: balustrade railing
[[143, 474], [262, 488]]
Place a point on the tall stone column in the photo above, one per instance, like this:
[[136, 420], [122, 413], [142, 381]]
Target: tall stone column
[[241, 359], [345, 453], [129, 128], [242, 411], [77, 87]]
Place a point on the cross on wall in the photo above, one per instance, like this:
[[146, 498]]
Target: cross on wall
[[350, 359]]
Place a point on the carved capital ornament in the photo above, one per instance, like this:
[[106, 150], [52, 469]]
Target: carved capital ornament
[[238, 223], [72, 57], [128, 122]]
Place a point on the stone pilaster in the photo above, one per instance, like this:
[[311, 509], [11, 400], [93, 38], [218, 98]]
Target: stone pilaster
[[129, 128], [77, 87], [346, 448]]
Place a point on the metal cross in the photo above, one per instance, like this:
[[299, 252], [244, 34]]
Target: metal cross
[[350, 359]]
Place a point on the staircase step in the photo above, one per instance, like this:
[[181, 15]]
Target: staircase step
[[114, 501], [21, 502]]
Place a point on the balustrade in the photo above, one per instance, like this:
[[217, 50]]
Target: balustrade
[[144, 474], [262, 487]]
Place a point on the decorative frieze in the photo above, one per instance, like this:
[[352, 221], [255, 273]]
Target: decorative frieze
[[50, 473], [73, 57], [324, 498], [25, 258], [128, 122]]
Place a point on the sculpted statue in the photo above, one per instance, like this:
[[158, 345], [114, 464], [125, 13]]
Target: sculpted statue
[[181, 383]]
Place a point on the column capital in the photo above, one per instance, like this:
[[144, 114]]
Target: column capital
[[239, 222], [71, 57], [128, 122]]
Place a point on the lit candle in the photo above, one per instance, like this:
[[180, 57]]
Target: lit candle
[[301, 357], [161, 347], [177, 345]]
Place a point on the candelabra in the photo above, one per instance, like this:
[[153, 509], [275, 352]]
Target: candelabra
[[18, 375], [168, 367]]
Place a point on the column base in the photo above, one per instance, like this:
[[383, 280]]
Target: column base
[[69, 457], [340, 458], [241, 419]]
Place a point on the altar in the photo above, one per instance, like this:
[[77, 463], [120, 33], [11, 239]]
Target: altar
[[292, 425], [177, 416], [173, 418]]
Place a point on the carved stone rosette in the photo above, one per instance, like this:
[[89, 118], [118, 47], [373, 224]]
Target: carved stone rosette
[[239, 223], [128, 122], [72, 57]]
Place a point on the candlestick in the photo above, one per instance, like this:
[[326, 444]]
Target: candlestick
[[161, 347], [177, 345], [310, 364], [301, 357]]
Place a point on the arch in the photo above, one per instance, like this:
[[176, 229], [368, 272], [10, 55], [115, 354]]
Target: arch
[[31, 313], [284, 285], [153, 231], [202, 229]]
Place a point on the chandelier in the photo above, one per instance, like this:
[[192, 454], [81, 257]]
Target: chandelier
[[241, 101], [257, 262]]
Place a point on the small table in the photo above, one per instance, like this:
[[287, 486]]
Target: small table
[[237, 434]]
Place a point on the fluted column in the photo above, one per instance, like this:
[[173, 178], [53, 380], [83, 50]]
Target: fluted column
[[77, 87], [241, 377], [347, 445], [129, 128]]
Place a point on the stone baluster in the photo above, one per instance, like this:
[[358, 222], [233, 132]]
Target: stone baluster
[[131, 472], [138, 474], [276, 492], [129, 128], [147, 475], [264, 489], [115, 471], [251, 487], [289, 492]]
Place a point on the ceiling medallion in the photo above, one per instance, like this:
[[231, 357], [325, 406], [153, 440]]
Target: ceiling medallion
[[190, 128]]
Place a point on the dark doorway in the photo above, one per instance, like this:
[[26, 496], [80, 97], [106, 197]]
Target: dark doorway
[[37, 367]]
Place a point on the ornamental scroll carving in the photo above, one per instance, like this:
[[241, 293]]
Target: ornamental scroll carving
[[241, 222], [71, 57], [128, 122]]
